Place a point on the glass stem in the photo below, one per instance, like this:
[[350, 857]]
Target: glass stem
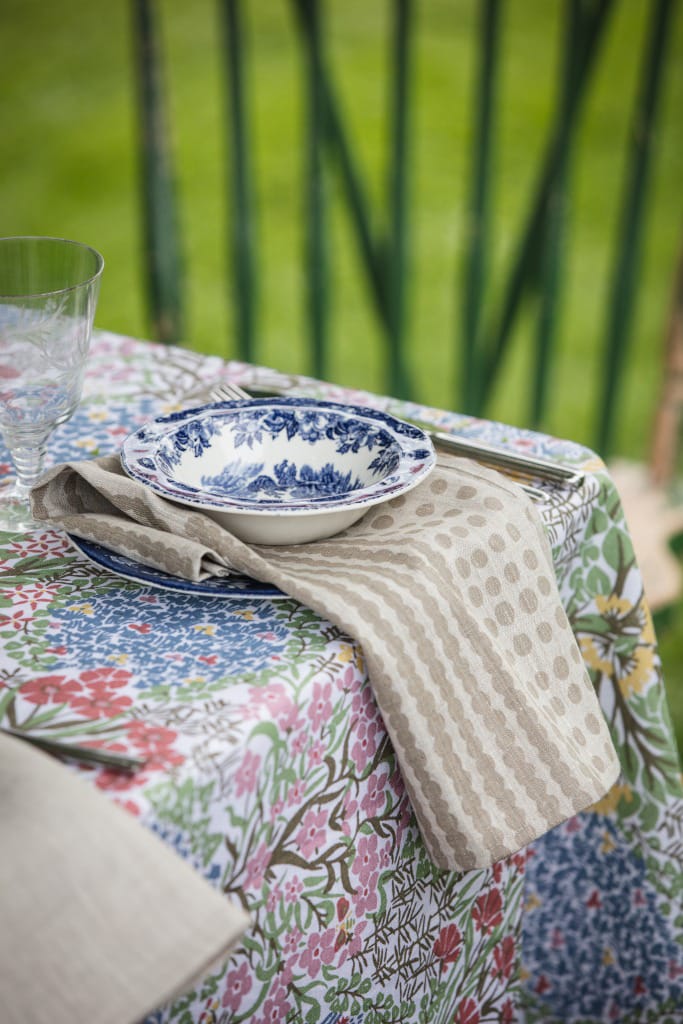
[[28, 462]]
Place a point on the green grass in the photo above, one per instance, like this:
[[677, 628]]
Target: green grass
[[68, 113]]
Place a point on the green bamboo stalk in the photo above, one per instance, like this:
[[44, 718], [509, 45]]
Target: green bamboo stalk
[[161, 235], [351, 179], [478, 216], [556, 215], [316, 246], [627, 253], [397, 249], [496, 341], [242, 254]]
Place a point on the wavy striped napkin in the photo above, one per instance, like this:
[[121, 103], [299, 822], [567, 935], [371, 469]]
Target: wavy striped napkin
[[451, 592]]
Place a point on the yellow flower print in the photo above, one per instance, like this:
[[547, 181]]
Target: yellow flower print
[[607, 845], [614, 604], [591, 655], [88, 444], [611, 801], [194, 680], [97, 415], [247, 615], [533, 902], [345, 652], [83, 609], [118, 659], [642, 663], [607, 957], [208, 629]]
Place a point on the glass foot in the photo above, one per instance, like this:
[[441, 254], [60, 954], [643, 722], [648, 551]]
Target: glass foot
[[15, 514]]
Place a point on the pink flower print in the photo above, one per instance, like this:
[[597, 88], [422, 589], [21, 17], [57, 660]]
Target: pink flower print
[[35, 595], [288, 718], [320, 710], [504, 957], [365, 746], [17, 620], [50, 690], [40, 543], [488, 911], [448, 946], [350, 807], [375, 798], [296, 793], [273, 899], [256, 868], [276, 1006], [507, 1015], [274, 697], [97, 678], [316, 753], [300, 742], [156, 743], [467, 1012], [363, 702], [100, 702], [277, 703], [350, 942], [290, 942], [365, 899], [345, 682], [237, 984], [311, 836], [118, 782], [293, 889], [320, 950], [276, 809], [247, 774], [367, 858]]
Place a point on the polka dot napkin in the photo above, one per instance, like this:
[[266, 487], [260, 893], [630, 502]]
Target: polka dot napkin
[[450, 591]]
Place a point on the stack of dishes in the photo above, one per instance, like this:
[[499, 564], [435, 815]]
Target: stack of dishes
[[273, 470]]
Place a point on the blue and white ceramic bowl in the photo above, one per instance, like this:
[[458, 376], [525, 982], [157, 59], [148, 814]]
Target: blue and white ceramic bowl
[[279, 470]]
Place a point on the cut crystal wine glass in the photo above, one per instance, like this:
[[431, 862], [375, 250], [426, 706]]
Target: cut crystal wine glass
[[48, 294]]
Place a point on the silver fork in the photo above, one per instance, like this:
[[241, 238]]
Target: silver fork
[[226, 391]]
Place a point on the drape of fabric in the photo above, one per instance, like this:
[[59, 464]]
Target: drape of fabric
[[450, 591], [99, 920]]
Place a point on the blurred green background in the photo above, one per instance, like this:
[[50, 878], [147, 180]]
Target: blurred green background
[[68, 110]]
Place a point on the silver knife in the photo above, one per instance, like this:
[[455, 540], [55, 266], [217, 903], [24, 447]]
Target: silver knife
[[516, 462]]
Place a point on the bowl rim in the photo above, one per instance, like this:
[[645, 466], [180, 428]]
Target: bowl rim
[[415, 450]]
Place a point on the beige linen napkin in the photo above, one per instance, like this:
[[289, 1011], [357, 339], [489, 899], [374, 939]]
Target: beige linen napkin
[[99, 920], [450, 591]]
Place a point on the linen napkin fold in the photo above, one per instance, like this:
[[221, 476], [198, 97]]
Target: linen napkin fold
[[450, 590], [99, 920]]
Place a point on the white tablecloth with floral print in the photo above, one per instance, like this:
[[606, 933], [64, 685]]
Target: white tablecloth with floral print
[[269, 768]]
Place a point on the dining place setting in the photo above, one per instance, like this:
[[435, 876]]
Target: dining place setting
[[359, 699]]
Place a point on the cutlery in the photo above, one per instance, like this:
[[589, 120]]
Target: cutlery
[[75, 752], [515, 462]]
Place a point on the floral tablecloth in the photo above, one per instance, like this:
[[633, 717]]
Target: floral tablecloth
[[269, 768]]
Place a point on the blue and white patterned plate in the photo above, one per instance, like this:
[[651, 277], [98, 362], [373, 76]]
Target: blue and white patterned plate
[[279, 470], [236, 587]]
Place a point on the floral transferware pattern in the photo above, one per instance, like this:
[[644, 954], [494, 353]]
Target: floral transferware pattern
[[286, 454], [269, 769]]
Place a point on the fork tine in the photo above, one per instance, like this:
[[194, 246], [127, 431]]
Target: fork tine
[[227, 392]]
